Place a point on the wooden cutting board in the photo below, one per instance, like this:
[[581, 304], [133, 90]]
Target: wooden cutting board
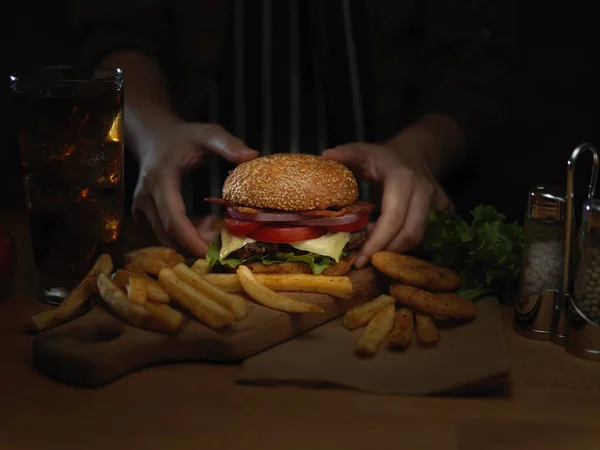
[[97, 348]]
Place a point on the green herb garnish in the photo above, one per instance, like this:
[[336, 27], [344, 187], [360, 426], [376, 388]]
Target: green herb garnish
[[486, 253]]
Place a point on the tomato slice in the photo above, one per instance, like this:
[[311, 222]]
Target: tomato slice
[[241, 227], [359, 224], [269, 233]]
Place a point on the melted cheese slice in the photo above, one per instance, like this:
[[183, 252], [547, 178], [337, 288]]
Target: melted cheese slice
[[231, 243], [330, 244]]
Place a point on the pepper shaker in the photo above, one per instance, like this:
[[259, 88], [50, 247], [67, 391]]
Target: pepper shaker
[[543, 260], [583, 334], [560, 322]]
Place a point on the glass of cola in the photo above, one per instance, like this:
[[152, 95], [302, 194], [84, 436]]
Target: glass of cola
[[70, 132]]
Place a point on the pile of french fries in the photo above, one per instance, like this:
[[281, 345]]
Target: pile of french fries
[[156, 285], [419, 292]]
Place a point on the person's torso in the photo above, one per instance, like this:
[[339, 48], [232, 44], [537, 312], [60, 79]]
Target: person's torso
[[294, 76]]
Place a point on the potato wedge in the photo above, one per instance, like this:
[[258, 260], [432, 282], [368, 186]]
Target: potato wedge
[[376, 332], [165, 254], [136, 315], [149, 264], [427, 332], [441, 304], [137, 291], [201, 267], [76, 298], [200, 306], [402, 332], [416, 272], [154, 291], [340, 287], [266, 297], [232, 303], [360, 315]]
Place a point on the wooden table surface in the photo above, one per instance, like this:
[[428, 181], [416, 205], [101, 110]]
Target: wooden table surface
[[553, 402]]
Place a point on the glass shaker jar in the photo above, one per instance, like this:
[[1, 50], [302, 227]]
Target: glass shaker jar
[[544, 248], [543, 261], [586, 289]]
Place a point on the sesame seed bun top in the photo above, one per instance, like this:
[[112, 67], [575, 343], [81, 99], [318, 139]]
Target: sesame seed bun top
[[291, 182]]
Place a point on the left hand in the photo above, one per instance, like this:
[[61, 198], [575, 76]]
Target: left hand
[[410, 192]]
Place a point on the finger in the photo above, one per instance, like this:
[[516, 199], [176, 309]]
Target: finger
[[347, 154], [397, 193], [207, 222], [370, 227], [441, 201], [418, 212], [206, 227], [171, 209], [353, 156], [144, 209], [219, 141]]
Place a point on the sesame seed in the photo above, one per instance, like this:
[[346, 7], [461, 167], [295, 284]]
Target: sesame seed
[[291, 182]]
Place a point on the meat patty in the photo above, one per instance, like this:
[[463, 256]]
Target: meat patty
[[257, 248], [357, 239]]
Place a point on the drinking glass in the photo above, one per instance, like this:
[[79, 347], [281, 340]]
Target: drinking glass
[[70, 133]]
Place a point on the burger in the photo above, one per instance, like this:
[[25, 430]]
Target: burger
[[290, 213]]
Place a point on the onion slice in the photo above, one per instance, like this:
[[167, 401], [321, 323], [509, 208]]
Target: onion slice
[[263, 217], [329, 221]]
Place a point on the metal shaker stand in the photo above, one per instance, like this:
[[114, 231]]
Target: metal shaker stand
[[570, 327]]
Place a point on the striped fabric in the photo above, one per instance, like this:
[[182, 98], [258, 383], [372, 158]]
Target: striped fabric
[[293, 79]]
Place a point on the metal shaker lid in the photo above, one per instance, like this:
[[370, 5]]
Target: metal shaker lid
[[547, 203]]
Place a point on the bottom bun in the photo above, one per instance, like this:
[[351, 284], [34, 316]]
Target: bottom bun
[[334, 270]]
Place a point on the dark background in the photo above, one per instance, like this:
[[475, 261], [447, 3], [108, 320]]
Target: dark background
[[555, 103]]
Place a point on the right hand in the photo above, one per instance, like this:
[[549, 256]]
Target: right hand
[[169, 152]]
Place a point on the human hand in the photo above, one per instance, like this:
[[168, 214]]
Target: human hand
[[171, 150], [410, 191]]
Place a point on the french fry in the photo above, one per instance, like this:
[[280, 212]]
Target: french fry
[[165, 254], [137, 292], [442, 304], [416, 272], [340, 287], [360, 315], [154, 291], [200, 306], [137, 270], [232, 303], [201, 267], [402, 332], [427, 332], [76, 298], [170, 316], [376, 332], [266, 297], [149, 264], [139, 316]]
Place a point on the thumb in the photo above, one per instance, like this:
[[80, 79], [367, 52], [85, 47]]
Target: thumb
[[216, 139], [351, 154]]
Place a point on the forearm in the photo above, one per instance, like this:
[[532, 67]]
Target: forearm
[[146, 98], [438, 138]]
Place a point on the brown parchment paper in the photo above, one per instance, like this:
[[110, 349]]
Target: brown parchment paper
[[468, 358]]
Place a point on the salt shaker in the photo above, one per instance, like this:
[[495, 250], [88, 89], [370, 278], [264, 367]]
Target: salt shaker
[[583, 315], [543, 261]]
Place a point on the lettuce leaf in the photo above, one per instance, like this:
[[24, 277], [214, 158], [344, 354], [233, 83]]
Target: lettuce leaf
[[486, 253], [317, 263]]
